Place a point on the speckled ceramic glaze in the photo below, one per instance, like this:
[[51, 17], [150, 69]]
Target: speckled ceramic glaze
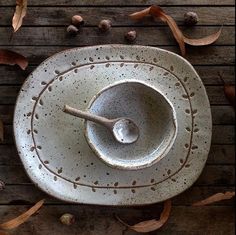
[[52, 145], [150, 111]]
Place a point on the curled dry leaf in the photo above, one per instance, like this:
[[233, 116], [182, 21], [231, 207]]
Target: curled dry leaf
[[229, 91], [230, 94], [20, 12], [151, 225], [3, 233], [1, 131], [215, 198], [157, 12], [140, 14], [12, 58], [203, 41], [22, 218]]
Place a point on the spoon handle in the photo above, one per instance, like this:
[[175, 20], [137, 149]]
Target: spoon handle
[[88, 116]]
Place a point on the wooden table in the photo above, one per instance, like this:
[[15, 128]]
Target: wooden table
[[43, 34]]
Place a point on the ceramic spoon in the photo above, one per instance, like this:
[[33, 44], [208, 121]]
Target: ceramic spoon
[[123, 129]]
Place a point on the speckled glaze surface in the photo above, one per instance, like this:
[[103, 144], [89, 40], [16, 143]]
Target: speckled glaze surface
[[52, 145], [150, 111]]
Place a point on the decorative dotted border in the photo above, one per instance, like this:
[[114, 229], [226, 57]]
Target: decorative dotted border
[[116, 186]]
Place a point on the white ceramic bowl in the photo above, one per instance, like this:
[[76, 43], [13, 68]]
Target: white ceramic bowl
[[148, 108]]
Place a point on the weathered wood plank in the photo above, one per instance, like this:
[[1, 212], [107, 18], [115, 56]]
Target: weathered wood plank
[[197, 193], [9, 155], [213, 220], [121, 2], [218, 175], [219, 154], [210, 74], [8, 95], [38, 16], [6, 113], [221, 134], [224, 115], [184, 220], [208, 55], [216, 95], [155, 36], [13, 75], [28, 194], [13, 175]]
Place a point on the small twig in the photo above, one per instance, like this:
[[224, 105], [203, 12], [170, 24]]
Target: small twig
[[221, 77]]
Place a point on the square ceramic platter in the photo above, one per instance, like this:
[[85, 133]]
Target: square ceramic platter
[[53, 148]]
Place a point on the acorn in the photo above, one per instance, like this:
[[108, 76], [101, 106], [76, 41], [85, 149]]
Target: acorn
[[190, 18], [104, 25], [77, 20], [72, 30], [67, 219], [131, 36], [2, 185]]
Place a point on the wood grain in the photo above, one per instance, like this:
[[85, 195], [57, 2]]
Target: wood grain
[[208, 55], [223, 135], [100, 220], [89, 3], [43, 34], [49, 16], [222, 115], [218, 175], [155, 36], [221, 154]]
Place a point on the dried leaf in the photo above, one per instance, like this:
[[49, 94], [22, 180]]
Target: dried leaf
[[215, 198], [12, 58], [22, 218], [20, 12], [3, 233], [203, 41], [157, 12], [140, 14], [230, 94], [151, 225], [229, 91], [1, 131]]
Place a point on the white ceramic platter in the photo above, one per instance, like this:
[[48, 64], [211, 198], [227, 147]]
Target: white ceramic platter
[[52, 145]]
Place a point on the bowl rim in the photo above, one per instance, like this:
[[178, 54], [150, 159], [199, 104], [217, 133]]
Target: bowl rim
[[133, 166]]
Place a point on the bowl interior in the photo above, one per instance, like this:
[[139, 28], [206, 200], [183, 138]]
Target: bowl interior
[[151, 112]]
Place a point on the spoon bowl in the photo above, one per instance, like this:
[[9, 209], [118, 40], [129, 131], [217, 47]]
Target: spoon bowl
[[124, 130]]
